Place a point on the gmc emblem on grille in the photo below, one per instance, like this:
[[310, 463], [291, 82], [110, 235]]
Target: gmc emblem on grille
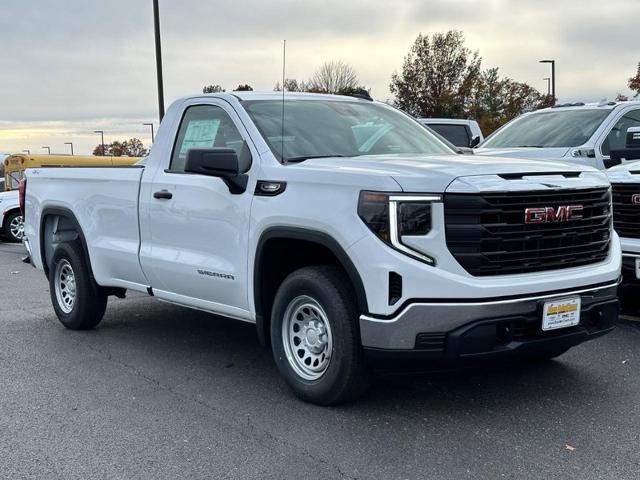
[[635, 199], [553, 215]]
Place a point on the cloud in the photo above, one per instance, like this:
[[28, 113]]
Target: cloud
[[80, 62]]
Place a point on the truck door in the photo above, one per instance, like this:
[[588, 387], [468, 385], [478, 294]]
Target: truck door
[[195, 232], [615, 138]]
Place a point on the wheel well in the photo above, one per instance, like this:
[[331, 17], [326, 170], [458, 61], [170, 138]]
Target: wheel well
[[6, 215], [278, 256], [56, 228]]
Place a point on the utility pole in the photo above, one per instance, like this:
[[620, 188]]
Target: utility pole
[[156, 28], [553, 78], [101, 132], [70, 143], [150, 125], [48, 149], [548, 79]]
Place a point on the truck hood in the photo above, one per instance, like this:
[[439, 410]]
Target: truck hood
[[551, 153], [426, 173], [626, 173]]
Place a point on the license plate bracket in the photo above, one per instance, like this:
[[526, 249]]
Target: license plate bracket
[[561, 313]]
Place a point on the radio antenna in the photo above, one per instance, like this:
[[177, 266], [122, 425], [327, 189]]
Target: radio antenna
[[284, 62]]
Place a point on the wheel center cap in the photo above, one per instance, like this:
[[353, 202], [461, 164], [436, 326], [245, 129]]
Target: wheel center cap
[[312, 337]]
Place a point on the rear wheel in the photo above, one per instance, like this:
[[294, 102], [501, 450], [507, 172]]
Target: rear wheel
[[315, 339], [79, 302], [13, 227]]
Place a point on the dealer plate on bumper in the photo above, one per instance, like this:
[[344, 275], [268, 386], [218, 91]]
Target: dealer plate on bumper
[[561, 313]]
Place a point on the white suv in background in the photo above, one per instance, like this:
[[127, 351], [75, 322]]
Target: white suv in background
[[582, 133], [460, 132]]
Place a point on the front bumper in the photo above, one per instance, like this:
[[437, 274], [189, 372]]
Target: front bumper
[[629, 277], [457, 331]]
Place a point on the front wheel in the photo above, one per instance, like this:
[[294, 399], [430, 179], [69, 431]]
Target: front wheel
[[79, 302], [315, 336], [14, 227]]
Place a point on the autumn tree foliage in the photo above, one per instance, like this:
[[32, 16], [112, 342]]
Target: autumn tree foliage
[[441, 77], [634, 82], [212, 89], [127, 148]]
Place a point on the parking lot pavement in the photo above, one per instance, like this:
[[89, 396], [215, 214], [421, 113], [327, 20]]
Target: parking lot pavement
[[159, 391]]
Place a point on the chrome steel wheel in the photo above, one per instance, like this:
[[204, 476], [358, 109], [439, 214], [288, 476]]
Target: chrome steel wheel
[[306, 336], [65, 282], [16, 227]]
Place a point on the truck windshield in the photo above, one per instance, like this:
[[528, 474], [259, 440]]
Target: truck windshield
[[334, 128], [554, 128]]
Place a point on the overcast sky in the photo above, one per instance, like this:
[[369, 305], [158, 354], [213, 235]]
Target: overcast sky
[[68, 67]]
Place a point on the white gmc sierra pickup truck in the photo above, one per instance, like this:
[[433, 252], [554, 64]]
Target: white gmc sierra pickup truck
[[351, 236], [625, 188]]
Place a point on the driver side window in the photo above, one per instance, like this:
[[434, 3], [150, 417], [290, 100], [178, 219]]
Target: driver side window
[[616, 139], [204, 126]]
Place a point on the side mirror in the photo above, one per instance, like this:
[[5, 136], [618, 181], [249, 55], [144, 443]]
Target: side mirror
[[475, 141], [465, 150], [631, 150], [218, 162]]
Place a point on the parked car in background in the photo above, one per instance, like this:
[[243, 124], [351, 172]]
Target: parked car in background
[[462, 133], [575, 133], [351, 236], [11, 225]]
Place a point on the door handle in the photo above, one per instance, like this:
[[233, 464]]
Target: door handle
[[163, 194]]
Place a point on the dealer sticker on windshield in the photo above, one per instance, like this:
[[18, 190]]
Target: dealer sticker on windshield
[[561, 313]]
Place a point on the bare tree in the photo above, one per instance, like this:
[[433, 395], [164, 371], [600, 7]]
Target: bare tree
[[334, 77]]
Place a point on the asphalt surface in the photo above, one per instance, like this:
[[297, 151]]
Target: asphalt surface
[[158, 391]]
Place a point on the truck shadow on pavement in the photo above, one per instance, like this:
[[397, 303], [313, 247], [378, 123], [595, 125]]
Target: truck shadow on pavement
[[221, 360]]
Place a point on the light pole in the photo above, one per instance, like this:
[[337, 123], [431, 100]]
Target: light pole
[[553, 78], [70, 143], [101, 132], [156, 29], [150, 125], [48, 150], [548, 79], [28, 152]]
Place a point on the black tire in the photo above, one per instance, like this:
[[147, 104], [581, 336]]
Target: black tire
[[6, 228], [89, 299], [346, 376]]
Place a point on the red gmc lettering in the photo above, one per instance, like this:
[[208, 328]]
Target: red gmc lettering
[[552, 215]]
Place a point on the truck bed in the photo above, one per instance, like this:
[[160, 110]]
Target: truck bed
[[104, 202]]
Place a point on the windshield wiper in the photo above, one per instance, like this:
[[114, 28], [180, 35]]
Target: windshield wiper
[[529, 146], [309, 157]]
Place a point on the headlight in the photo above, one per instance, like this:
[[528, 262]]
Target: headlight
[[392, 216]]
